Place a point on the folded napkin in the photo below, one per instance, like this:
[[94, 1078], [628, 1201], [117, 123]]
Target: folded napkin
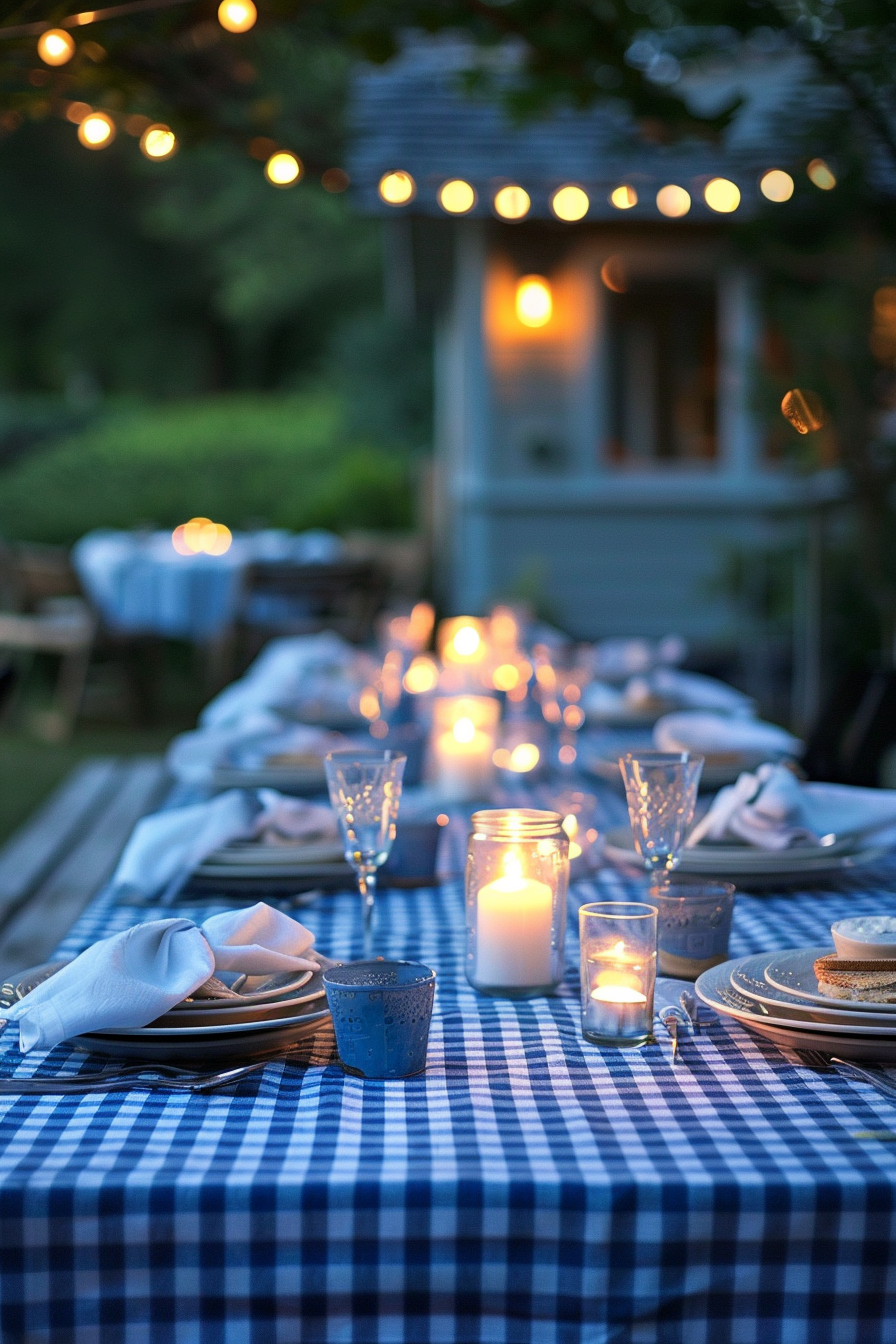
[[285, 673], [193, 757], [134, 977], [723, 735], [691, 690], [772, 809], [165, 847]]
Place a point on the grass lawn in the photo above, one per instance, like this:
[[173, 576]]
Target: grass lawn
[[30, 770]]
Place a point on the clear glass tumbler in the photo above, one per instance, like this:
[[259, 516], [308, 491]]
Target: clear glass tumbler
[[517, 875], [365, 788], [661, 790], [693, 924], [618, 972]]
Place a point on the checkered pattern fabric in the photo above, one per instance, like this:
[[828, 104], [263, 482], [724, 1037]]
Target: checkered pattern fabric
[[529, 1188]]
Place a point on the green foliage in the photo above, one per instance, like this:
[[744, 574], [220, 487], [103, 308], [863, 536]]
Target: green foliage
[[286, 460]]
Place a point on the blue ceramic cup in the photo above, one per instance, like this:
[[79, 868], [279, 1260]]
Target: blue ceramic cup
[[381, 1014]]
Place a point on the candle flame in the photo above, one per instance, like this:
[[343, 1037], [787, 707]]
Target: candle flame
[[619, 949], [466, 641], [571, 825], [513, 868], [464, 730]]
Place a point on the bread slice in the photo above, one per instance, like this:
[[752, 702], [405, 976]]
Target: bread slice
[[861, 981]]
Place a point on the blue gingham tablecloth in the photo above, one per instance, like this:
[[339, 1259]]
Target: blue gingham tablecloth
[[527, 1189]]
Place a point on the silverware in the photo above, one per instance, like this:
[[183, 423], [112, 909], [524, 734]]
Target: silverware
[[672, 1019], [846, 1069], [689, 1004], [168, 1078]]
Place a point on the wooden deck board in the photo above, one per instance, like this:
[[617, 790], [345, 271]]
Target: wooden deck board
[[32, 932]]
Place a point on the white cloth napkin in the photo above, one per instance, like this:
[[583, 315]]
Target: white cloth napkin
[[193, 757], [165, 847], [286, 672], [772, 809], [134, 977], [723, 734], [691, 690]]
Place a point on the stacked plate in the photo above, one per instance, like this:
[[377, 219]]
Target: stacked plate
[[776, 995], [260, 1015], [318, 864], [758, 867]]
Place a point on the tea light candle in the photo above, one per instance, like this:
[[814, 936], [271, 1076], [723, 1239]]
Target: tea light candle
[[616, 1011], [617, 976], [513, 929]]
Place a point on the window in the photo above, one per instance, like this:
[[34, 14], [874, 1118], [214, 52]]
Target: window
[[662, 373]]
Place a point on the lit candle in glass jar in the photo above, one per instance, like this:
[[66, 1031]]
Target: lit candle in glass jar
[[617, 976], [463, 744], [513, 939]]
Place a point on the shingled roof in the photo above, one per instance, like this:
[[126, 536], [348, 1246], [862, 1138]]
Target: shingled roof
[[414, 114]]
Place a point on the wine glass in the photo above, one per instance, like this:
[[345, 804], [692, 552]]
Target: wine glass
[[365, 788], [661, 791]]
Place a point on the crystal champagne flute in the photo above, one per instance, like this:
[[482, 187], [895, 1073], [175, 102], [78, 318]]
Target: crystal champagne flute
[[365, 788]]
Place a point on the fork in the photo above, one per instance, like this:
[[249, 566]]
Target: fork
[[169, 1079], [814, 1059]]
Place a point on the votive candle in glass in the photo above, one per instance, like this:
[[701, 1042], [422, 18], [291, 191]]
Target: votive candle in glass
[[464, 734], [618, 972], [516, 881]]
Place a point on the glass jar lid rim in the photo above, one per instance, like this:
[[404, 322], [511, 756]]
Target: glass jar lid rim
[[515, 823]]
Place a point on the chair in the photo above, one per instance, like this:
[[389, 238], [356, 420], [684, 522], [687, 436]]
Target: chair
[[295, 599], [48, 616]]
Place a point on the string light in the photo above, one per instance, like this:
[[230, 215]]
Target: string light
[[55, 47], [672, 201], [721, 195], [570, 203], [283, 169], [158, 142], [534, 303], [237, 16], [820, 175], [457, 197], [96, 131], [624, 197], [397, 188], [776, 185], [512, 202]]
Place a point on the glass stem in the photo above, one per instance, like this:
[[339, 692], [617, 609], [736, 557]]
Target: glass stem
[[367, 887]]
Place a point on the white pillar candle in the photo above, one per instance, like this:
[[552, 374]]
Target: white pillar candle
[[513, 930], [462, 762]]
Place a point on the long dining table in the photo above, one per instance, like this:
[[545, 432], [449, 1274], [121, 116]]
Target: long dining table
[[527, 1188]]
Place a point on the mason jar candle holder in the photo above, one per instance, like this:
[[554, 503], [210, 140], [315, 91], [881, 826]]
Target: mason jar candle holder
[[516, 880], [618, 972]]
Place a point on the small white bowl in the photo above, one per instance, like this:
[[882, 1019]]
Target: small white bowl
[[865, 937]]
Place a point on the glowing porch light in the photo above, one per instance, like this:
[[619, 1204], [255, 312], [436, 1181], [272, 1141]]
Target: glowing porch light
[[776, 185], [237, 16], [397, 188], [457, 197], [570, 203], [624, 197], [55, 47], [820, 175], [283, 169], [534, 303], [673, 201], [158, 142], [512, 202], [96, 131], [722, 195]]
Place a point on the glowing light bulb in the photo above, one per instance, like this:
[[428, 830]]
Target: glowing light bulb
[[397, 188], [466, 641], [512, 202], [534, 304], [96, 131], [804, 410], [672, 201], [283, 169], [820, 175], [570, 203], [457, 196], [623, 198], [158, 142], [464, 730], [721, 195], [55, 47], [776, 185], [237, 16]]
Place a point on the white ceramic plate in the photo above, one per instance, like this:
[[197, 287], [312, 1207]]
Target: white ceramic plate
[[714, 988], [793, 972], [196, 1016], [746, 862], [257, 855], [255, 989], [747, 977]]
